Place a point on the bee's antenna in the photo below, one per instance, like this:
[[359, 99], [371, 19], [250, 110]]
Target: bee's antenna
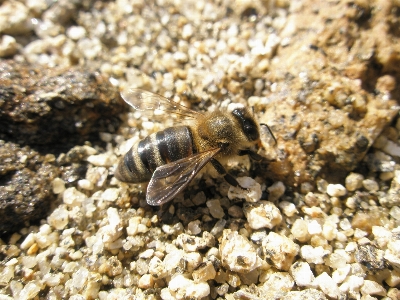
[[270, 132]]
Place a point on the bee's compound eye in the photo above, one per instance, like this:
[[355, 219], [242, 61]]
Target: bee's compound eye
[[248, 125], [251, 131]]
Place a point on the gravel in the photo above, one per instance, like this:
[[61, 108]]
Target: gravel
[[320, 217]]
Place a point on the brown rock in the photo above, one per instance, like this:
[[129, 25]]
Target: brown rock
[[324, 107], [42, 106]]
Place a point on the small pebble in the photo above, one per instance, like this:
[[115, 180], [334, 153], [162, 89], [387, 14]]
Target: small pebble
[[276, 191], [237, 253], [327, 285], [280, 250], [263, 214], [8, 46], [146, 281], [215, 209], [372, 288], [302, 274], [354, 181], [204, 272], [76, 32], [252, 194], [313, 255], [194, 227], [288, 208], [188, 288], [370, 185], [300, 230], [85, 184], [314, 227], [336, 190], [58, 186]]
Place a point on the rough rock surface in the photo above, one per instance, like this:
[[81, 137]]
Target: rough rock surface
[[52, 105], [331, 90], [25, 186]]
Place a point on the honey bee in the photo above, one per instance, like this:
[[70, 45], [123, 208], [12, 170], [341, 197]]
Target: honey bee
[[171, 158]]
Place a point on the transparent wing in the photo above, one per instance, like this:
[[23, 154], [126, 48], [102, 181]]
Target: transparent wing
[[151, 104], [168, 180]]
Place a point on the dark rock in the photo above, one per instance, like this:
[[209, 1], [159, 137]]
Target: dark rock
[[44, 106], [25, 186], [371, 257]]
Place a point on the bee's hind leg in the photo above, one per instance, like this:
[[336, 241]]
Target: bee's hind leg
[[228, 177]]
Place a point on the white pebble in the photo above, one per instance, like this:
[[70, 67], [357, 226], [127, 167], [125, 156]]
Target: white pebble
[[336, 190], [354, 181], [391, 148], [329, 231], [85, 184], [113, 217], [172, 259], [110, 194], [29, 240], [102, 160], [59, 218], [30, 290], [52, 279], [302, 274], [8, 46], [188, 288], [79, 278], [288, 208], [372, 288], [327, 285], [313, 255], [58, 186], [370, 185], [300, 230], [276, 191], [215, 209], [263, 214], [314, 228], [194, 227], [278, 281], [76, 32], [148, 125], [395, 212], [340, 274], [280, 250], [147, 253], [72, 196], [237, 253], [146, 281], [187, 31], [156, 267], [252, 194]]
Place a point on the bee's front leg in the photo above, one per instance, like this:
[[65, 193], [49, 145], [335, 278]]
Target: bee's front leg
[[253, 155], [228, 177]]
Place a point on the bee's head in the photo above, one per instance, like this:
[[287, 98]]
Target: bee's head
[[247, 123]]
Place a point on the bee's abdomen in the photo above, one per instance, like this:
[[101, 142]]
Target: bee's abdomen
[[157, 149]]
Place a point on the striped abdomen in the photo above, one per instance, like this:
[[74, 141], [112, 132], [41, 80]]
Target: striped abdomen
[[157, 149]]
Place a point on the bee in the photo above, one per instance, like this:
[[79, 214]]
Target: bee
[[171, 158]]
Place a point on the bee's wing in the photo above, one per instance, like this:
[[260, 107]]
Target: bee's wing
[[168, 180], [148, 102]]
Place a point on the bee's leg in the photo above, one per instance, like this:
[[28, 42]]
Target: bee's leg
[[228, 177], [253, 155]]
